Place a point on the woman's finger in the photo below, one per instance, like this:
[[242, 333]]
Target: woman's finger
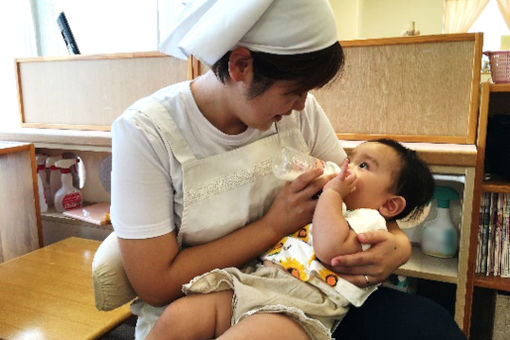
[[350, 261], [304, 180], [373, 237], [361, 281]]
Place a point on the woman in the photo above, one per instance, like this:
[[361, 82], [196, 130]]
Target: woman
[[192, 188]]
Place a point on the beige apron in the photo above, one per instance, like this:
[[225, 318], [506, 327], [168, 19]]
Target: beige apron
[[221, 193]]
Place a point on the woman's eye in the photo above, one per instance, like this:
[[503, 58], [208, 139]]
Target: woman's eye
[[363, 165]]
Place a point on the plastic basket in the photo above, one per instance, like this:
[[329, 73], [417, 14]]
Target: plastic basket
[[500, 66]]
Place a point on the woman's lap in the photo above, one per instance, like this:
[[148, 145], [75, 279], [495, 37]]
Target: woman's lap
[[391, 314]]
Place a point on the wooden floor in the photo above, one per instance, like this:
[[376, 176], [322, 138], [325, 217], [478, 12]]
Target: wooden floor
[[48, 294]]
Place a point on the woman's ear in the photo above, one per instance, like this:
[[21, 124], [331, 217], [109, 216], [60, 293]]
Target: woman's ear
[[240, 64], [393, 206]]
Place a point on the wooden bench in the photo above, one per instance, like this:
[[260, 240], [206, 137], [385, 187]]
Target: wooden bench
[[48, 294]]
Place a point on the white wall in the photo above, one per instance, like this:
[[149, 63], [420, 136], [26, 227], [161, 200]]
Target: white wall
[[362, 19], [347, 18]]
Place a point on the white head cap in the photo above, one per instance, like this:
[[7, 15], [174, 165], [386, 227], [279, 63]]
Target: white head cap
[[210, 28]]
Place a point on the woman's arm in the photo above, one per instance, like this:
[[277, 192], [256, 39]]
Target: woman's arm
[[157, 269], [390, 249]]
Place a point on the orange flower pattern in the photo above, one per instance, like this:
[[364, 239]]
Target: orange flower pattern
[[295, 254]]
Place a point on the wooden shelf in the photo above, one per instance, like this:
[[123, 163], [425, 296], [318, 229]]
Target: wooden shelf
[[53, 215], [492, 282], [496, 185], [60, 139], [499, 87], [431, 268], [493, 100], [435, 153]]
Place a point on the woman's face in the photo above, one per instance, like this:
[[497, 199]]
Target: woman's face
[[263, 110]]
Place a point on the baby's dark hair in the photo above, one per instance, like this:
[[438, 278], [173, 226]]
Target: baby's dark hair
[[310, 70], [414, 182]]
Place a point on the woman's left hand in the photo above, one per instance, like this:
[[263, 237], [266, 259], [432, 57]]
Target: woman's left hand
[[390, 249]]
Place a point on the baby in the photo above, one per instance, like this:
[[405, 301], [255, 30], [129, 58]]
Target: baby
[[383, 181]]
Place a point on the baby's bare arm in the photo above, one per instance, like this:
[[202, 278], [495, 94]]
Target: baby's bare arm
[[332, 235]]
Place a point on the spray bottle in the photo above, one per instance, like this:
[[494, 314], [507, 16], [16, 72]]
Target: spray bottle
[[54, 177], [67, 197], [41, 181], [290, 163], [440, 238]]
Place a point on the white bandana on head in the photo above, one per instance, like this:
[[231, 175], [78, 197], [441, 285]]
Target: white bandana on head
[[208, 29]]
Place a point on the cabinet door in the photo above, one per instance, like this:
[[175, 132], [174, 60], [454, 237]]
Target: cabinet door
[[19, 201]]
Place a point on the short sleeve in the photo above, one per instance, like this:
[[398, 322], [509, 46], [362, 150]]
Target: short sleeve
[[363, 220], [319, 133], [141, 191]]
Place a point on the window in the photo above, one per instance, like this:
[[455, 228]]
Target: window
[[99, 26], [29, 29], [491, 23]]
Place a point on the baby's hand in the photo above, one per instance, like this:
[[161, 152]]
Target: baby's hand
[[344, 183]]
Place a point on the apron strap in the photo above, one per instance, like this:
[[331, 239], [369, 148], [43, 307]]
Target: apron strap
[[170, 133]]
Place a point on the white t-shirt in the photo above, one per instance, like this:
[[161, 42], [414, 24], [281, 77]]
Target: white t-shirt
[[146, 182]]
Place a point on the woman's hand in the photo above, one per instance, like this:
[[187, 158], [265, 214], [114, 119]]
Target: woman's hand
[[294, 205], [390, 249]]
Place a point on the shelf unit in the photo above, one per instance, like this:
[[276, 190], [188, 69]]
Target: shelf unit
[[488, 93], [91, 147]]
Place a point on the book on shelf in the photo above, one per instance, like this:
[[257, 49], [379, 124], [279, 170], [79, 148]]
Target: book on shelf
[[493, 248]]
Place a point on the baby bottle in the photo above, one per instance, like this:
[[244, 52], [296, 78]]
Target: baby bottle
[[290, 163]]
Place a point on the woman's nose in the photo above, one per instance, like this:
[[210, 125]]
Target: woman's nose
[[299, 104]]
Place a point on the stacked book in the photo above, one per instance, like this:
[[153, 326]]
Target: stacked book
[[493, 249]]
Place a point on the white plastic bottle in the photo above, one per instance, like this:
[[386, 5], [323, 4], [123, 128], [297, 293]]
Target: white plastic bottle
[[290, 163], [54, 177], [41, 178], [440, 238], [67, 197]]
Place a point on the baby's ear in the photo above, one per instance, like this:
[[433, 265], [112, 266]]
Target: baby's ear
[[393, 206]]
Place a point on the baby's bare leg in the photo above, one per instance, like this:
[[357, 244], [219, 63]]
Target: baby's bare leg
[[197, 316], [266, 326]]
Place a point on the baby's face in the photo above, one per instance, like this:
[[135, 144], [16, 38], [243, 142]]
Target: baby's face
[[376, 166]]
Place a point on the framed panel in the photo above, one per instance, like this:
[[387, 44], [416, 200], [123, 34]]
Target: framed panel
[[414, 89], [89, 92]]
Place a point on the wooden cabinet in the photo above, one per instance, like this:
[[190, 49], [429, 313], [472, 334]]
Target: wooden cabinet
[[494, 99], [93, 149], [20, 218]]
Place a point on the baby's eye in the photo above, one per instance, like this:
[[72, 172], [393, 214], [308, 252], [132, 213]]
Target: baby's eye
[[363, 165]]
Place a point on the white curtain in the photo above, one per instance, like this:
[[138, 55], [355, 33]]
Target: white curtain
[[461, 14], [504, 7]]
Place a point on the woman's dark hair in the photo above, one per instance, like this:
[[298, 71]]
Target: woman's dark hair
[[415, 182], [309, 70]]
